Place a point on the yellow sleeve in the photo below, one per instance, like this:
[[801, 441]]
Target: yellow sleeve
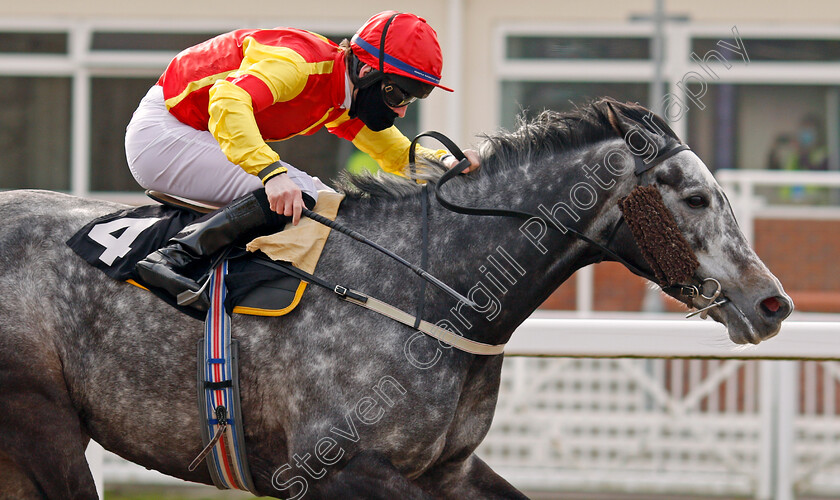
[[390, 148], [271, 74], [233, 125]]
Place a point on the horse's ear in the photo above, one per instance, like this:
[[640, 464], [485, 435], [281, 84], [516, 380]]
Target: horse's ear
[[615, 120], [641, 141], [623, 121]]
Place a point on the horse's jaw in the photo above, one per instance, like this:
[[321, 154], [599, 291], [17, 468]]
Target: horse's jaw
[[752, 304]]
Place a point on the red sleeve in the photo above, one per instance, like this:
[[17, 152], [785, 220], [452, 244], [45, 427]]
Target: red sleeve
[[261, 96]]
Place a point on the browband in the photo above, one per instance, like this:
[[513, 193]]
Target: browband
[[642, 166]]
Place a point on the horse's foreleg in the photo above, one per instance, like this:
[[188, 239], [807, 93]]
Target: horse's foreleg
[[368, 475], [471, 478], [41, 439], [15, 484]]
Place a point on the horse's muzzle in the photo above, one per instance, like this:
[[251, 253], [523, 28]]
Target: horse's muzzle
[[753, 319]]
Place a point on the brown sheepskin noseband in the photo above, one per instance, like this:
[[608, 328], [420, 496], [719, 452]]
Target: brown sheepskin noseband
[[662, 243]]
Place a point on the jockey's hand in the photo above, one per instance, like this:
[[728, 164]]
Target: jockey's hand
[[471, 154], [284, 197]]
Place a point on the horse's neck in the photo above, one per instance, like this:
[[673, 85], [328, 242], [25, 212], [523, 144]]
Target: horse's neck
[[494, 260]]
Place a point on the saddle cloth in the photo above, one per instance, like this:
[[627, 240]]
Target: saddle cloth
[[114, 243]]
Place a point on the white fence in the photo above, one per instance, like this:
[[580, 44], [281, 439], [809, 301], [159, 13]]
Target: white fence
[[604, 421], [724, 425]]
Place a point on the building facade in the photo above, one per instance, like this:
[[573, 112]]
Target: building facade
[[749, 85]]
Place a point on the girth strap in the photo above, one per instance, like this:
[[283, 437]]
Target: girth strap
[[221, 418], [218, 396]]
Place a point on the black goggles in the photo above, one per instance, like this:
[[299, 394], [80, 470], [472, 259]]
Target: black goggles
[[394, 96]]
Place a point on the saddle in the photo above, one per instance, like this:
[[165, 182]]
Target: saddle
[[115, 242]]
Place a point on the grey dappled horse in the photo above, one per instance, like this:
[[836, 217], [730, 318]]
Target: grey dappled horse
[[339, 402]]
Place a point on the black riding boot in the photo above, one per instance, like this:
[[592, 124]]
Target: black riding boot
[[204, 237]]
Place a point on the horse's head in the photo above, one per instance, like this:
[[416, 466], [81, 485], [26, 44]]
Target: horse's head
[[753, 300]]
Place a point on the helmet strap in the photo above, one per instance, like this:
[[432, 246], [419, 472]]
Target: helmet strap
[[369, 79], [354, 67], [382, 42], [373, 76]]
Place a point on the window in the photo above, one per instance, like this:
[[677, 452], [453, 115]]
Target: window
[[173, 42], [775, 49], [35, 132], [533, 97], [761, 114], [749, 126], [113, 101], [561, 70], [785, 127], [562, 47], [33, 43]]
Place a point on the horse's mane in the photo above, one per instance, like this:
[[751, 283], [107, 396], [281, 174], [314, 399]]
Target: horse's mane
[[549, 133]]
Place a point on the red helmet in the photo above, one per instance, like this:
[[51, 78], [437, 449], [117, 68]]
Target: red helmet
[[408, 48]]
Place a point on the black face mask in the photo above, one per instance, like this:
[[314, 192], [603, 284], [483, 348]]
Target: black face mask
[[371, 108]]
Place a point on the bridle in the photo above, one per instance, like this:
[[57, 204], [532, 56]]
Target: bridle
[[688, 291]]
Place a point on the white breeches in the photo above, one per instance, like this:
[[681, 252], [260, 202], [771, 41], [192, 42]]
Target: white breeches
[[167, 155]]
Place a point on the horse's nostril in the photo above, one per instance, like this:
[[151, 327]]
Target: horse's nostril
[[771, 305], [776, 307]]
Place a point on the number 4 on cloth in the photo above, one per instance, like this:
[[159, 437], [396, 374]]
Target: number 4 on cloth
[[116, 247]]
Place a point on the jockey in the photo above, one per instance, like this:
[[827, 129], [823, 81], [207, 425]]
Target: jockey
[[200, 132]]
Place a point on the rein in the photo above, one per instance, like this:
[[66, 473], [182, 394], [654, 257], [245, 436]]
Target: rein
[[361, 239], [385, 309]]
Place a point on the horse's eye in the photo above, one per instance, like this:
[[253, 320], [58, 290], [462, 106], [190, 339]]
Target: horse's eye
[[697, 201]]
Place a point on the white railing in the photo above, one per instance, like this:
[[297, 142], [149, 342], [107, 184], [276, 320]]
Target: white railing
[[722, 425], [604, 420], [667, 336]]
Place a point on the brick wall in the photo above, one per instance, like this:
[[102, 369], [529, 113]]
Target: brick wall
[[803, 254]]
